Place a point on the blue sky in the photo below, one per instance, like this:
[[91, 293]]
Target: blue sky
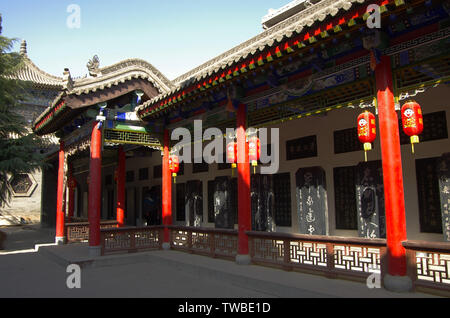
[[173, 35]]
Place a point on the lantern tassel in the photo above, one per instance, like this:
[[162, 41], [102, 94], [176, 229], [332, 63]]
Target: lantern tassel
[[254, 164], [367, 147]]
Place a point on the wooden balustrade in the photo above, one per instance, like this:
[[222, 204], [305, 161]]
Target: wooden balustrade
[[355, 258], [332, 256], [79, 232], [206, 241], [131, 239], [429, 264]]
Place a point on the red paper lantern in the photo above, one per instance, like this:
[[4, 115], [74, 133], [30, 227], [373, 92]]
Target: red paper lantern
[[254, 150], [412, 120], [174, 165], [232, 154], [367, 130]]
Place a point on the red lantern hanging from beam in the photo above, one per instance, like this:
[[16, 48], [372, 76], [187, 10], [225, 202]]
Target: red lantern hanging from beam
[[174, 166], [254, 151], [367, 130], [412, 120]]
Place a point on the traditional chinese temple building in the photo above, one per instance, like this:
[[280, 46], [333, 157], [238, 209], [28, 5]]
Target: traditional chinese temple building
[[315, 68], [25, 204]]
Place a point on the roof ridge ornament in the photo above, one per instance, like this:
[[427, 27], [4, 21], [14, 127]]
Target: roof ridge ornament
[[93, 66], [67, 80]]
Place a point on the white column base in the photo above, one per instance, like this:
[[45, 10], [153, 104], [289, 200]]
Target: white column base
[[398, 284], [60, 240], [243, 259], [95, 251]]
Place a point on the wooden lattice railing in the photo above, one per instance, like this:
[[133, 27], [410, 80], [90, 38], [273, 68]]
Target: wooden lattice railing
[[131, 239], [332, 256], [356, 258], [79, 232], [429, 264], [205, 241]]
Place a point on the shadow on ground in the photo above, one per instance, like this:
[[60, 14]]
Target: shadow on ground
[[23, 237]]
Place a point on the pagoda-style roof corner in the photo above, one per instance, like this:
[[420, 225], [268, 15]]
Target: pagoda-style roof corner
[[29, 72], [118, 73], [104, 84]]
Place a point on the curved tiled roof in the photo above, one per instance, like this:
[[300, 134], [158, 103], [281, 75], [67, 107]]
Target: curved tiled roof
[[267, 39], [296, 23], [104, 77], [107, 77], [31, 73], [119, 73]]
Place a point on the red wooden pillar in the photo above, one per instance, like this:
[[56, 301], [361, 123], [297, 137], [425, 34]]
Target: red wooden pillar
[[95, 188], [166, 191], [244, 203], [121, 187], [392, 178], [71, 186], [60, 215]]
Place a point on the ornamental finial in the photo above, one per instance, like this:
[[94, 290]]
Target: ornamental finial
[[93, 66]]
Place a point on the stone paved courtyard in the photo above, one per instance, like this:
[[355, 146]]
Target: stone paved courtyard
[[158, 274]]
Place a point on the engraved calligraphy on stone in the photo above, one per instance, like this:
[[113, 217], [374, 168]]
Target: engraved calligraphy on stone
[[370, 200], [312, 207], [444, 186]]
